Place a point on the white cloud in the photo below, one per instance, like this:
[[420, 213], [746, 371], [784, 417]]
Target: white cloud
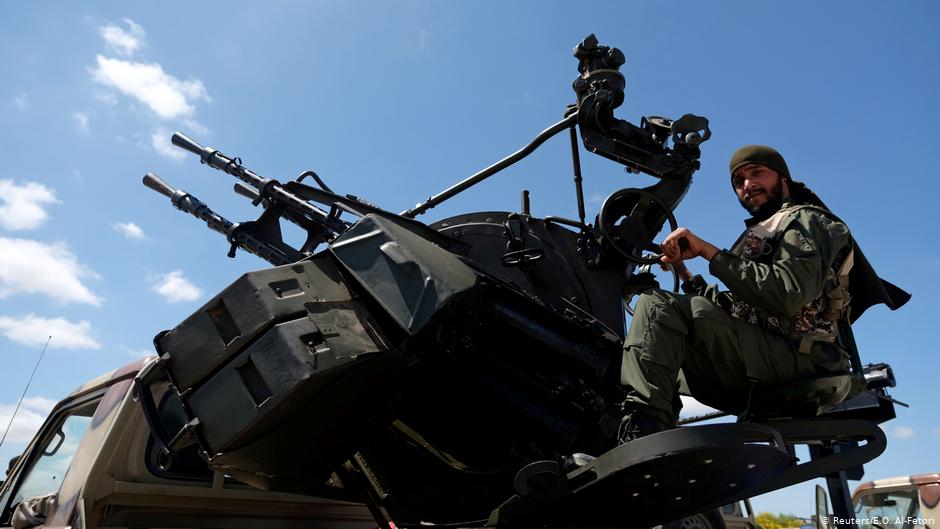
[[39, 404], [122, 42], [33, 331], [105, 96], [129, 230], [33, 267], [21, 101], [196, 127], [175, 288], [135, 28], [81, 123], [165, 95], [903, 432], [160, 140], [694, 408], [29, 418], [21, 206], [168, 97]]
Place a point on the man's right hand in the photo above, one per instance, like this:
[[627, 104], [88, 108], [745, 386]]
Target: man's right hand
[[676, 252]]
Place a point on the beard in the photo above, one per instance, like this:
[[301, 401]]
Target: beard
[[768, 208]]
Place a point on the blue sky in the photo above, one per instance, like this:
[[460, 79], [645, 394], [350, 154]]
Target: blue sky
[[395, 101]]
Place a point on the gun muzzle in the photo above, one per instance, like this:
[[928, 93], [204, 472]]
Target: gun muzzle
[[157, 184], [185, 142]]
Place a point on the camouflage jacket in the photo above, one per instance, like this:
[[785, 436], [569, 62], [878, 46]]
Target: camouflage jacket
[[781, 273]]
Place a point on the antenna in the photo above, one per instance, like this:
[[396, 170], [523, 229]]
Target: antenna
[[28, 382]]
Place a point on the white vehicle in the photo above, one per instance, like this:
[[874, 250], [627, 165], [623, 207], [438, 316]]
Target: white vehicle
[[906, 502]]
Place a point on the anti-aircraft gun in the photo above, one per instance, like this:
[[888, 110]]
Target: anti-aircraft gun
[[441, 372]]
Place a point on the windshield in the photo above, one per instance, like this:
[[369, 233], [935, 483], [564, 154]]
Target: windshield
[[50, 465], [888, 510]]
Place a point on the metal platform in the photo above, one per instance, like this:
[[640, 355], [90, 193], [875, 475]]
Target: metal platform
[[679, 472]]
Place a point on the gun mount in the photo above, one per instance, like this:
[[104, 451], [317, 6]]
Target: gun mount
[[440, 372]]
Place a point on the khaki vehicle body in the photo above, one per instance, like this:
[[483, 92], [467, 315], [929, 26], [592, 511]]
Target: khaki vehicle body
[[91, 457], [95, 455], [906, 502]]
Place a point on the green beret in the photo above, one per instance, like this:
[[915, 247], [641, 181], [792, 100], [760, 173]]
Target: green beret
[[761, 155]]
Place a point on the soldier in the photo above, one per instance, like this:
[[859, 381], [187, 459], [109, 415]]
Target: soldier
[[788, 279]]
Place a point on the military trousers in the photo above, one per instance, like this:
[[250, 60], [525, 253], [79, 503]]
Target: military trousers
[[722, 358]]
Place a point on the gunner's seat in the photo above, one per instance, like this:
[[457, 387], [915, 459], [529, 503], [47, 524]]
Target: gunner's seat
[[802, 398], [811, 396]]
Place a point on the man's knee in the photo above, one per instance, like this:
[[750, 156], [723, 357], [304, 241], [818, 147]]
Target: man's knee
[[658, 295], [709, 321], [666, 308]]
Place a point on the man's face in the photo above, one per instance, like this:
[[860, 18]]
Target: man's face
[[758, 186]]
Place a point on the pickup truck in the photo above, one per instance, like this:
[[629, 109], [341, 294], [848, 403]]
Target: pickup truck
[[905, 502], [898, 503], [93, 463]]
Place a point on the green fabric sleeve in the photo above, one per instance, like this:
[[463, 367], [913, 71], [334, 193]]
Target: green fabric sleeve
[[809, 243], [696, 286]]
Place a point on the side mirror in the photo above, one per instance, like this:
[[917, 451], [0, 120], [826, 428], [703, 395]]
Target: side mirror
[[822, 508], [54, 446], [13, 461]]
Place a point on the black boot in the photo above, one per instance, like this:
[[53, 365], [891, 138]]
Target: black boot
[[637, 424]]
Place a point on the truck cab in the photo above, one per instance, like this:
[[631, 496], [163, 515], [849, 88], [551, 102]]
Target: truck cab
[[94, 463], [906, 502]]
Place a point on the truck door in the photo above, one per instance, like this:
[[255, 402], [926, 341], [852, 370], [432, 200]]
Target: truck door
[[40, 471]]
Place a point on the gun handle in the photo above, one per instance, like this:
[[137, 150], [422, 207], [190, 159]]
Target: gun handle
[[157, 184], [185, 142]]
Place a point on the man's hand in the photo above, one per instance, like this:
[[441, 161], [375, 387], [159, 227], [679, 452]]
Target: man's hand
[[675, 251]]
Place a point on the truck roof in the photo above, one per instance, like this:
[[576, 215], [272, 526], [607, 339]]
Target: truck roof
[[900, 481], [110, 377]]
